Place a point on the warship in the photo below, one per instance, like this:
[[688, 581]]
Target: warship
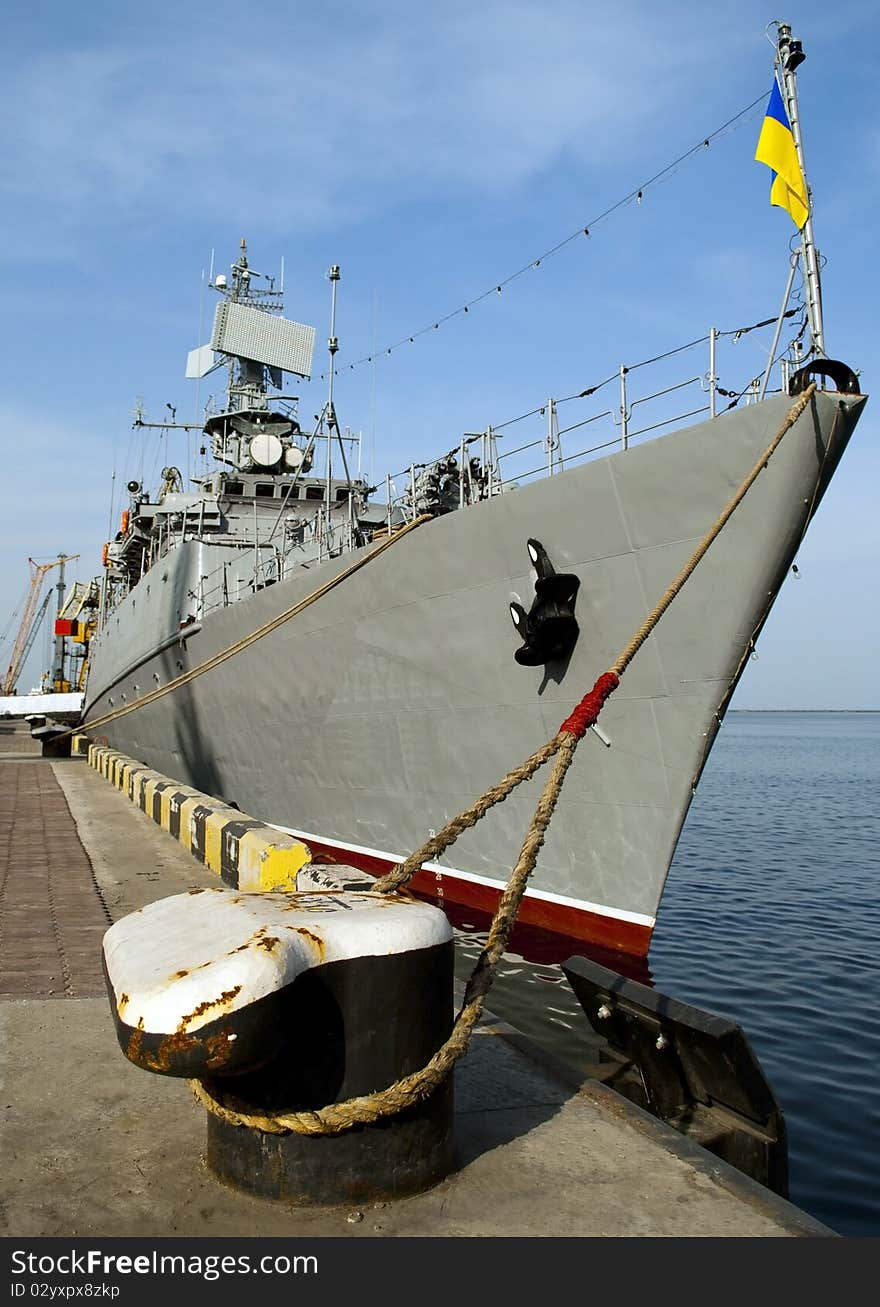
[[356, 669]]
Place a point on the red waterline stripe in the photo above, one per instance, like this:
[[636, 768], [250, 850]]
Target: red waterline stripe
[[627, 937]]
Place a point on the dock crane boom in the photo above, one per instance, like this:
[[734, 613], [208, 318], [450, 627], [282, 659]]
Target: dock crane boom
[[23, 638], [35, 626]]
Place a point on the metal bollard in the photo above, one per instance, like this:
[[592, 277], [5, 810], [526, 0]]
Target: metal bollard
[[350, 1028], [286, 1003]]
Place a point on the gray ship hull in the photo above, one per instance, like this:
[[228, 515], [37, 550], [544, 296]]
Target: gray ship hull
[[388, 704]]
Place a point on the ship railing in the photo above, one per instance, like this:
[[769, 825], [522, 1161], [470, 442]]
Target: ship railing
[[327, 535], [491, 461], [629, 413]]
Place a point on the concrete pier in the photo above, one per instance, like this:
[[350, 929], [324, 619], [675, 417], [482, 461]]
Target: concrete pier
[[90, 1145]]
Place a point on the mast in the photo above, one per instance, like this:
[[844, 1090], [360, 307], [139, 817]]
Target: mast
[[58, 669], [257, 345], [789, 55], [332, 346], [246, 380]]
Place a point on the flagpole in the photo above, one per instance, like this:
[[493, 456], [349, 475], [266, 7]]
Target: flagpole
[[789, 55]]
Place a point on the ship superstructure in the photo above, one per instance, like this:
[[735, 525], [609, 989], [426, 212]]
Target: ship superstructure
[[266, 507]]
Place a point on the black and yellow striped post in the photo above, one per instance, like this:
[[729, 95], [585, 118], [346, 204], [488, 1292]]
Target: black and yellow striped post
[[245, 853]]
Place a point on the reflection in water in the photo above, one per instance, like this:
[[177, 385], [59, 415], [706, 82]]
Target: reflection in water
[[529, 990]]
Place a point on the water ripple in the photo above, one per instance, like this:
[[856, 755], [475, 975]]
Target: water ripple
[[771, 916]]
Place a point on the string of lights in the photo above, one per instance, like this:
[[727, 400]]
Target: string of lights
[[634, 196]]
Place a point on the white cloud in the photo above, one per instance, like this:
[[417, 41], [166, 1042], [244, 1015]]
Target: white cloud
[[296, 123]]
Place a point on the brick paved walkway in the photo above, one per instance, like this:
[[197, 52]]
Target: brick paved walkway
[[52, 918]]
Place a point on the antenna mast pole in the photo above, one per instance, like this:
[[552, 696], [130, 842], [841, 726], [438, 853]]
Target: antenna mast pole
[[332, 346], [789, 55], [58, 669]]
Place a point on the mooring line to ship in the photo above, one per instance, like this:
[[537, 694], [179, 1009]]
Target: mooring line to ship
[[365, 1109], [266, 629]]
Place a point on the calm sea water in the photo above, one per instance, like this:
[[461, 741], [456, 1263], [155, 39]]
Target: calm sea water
[[771, 916]]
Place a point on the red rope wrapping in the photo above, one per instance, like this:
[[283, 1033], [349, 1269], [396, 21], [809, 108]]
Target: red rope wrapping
[[587, 711]]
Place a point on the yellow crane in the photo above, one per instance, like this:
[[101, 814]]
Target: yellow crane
[[20, 648], [77, 621]]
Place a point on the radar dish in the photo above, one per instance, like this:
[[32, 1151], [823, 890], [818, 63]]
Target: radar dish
[[249, 333], [266, 449]]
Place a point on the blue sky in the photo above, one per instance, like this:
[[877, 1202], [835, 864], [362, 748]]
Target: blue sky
[[431, 152]]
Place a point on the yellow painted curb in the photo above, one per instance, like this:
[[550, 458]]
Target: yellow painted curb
[[245, 853]]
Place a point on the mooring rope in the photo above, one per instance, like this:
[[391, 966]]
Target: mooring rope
[[414, 1088]]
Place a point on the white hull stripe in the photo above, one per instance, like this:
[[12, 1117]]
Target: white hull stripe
[[619, 914]]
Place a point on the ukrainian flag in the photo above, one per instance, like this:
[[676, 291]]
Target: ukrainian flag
[[776, 148]]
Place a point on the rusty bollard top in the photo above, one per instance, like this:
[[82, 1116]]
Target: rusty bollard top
[[195, 980]]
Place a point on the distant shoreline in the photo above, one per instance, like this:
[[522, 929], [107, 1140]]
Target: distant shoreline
[[863, 711]]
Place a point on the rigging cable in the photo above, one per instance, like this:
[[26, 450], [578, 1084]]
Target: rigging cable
[[636, 195]]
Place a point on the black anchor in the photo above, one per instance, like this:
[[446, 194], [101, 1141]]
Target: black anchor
[[548, 630]]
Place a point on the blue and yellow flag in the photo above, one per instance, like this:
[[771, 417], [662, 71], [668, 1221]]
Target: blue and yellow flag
[[776, 148]]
